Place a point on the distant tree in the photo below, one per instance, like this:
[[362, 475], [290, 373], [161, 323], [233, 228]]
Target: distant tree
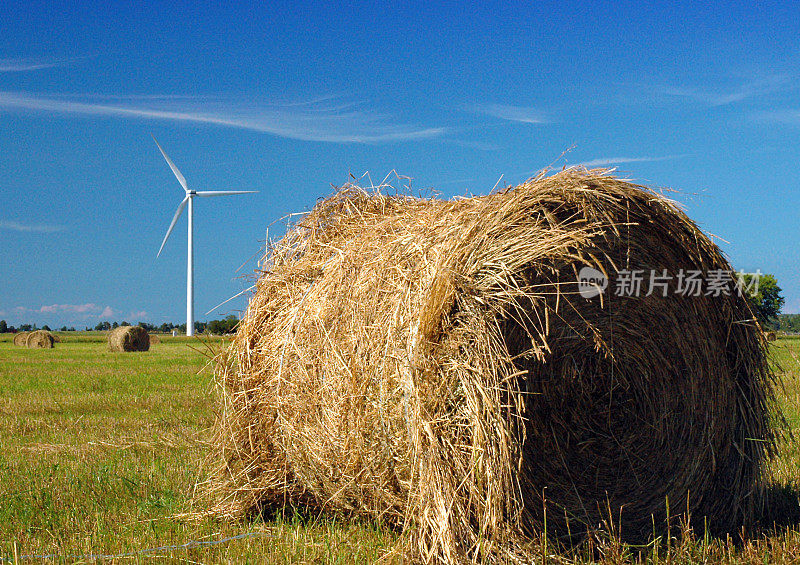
[[25, 327], [46, 327], [124, 323], [115, 325], [71, 329], [3, 327], [767, 301], [789, 322], [103, 326], [12, 329], [225, 326], [63, 329]]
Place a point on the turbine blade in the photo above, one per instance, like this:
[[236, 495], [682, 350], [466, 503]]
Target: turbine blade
[[224, 192], [172, 166], [231, 298], [177, 215]]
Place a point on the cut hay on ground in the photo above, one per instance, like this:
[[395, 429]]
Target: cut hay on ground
[[20, 338], [128, 338], [430, 364], [56, 338], [39, 339]]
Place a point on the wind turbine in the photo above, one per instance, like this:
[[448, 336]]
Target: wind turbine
[[190, 194]]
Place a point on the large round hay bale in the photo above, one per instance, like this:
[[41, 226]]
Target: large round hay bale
[[128, 338], [39, 339], [20, 338], [436, 364]]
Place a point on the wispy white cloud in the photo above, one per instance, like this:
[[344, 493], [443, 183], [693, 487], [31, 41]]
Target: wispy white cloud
[[88, 311], [36, 228], [28, 64], [313, 121], [600, 161], [520, 114], [89, 308], [140, 315], [731, 95]]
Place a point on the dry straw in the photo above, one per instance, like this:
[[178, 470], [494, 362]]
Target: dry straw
[[128, 338], [20, 338], [39, 339], [430, 364]]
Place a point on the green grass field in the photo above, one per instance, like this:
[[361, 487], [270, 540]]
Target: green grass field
[[100, 451]]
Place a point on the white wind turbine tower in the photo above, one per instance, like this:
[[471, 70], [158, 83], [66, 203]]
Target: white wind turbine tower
[[190, 194]]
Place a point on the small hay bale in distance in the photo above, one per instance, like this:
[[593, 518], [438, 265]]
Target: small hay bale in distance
[[772, 336], [39, 339], [128, 338], [154, 339], [19, 338], [431, 364]]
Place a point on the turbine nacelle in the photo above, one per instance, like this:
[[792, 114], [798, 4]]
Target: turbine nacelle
[[189, 194]]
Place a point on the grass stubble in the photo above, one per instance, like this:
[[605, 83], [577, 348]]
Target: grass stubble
[[100, 454]]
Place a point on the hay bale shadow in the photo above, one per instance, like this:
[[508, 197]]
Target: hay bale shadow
[[781, 508]]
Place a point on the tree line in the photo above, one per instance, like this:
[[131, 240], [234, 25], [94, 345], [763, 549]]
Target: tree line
[[766, 305], [224, 326]]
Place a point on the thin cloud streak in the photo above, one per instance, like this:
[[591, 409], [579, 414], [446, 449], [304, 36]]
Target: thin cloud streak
[[24, 65], [32, 228], [619, 160], [306, 123], [520, 114], [743, 92]]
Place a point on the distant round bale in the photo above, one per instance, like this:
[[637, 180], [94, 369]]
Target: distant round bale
[[128, 338], [19, 338], [56, 338], [772, 336], [154, 339], [39, 339]]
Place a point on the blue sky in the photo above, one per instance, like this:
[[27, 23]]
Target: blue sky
[[288, 99]]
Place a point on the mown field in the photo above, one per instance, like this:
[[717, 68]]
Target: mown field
[[100, 451]]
